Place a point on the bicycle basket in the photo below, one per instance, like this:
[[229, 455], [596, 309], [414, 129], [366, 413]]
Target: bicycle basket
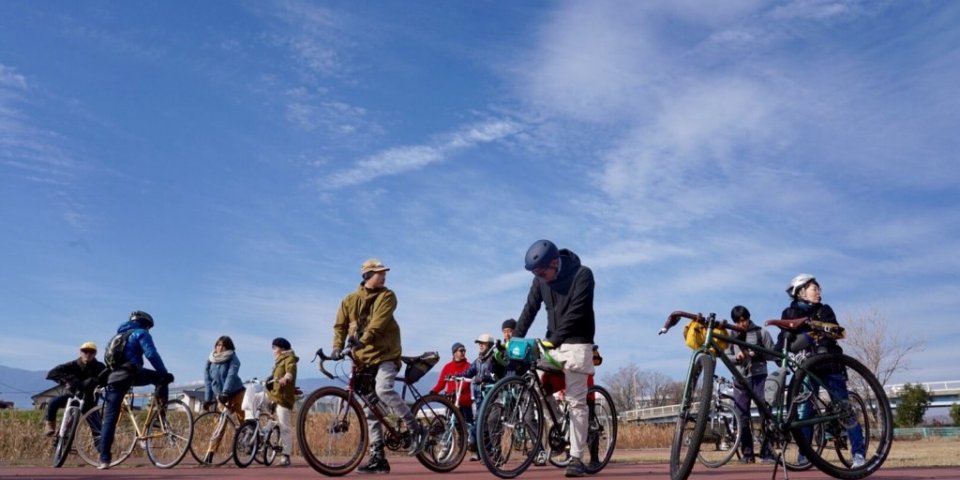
[[522, 350], [695, 333], [416, 370]]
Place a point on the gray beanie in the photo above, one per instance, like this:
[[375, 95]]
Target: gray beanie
[[457, 346]]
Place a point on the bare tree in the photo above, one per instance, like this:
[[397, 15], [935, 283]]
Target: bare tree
[[883, 351], [633, 388]]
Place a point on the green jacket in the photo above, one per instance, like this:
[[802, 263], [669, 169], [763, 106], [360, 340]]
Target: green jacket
[[368, 314], [284, 395]]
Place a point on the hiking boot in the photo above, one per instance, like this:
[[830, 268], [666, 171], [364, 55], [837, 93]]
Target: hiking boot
[[377, 464], [575, 468], [49, 428], [284, 461]]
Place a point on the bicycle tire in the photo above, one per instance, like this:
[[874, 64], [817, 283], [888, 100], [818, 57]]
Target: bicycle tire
[[725, 429], [332, 431], [446, 442], [605, 414], [87, 439], [510, 420], [263, 420], [856, 377], [204, 428], [271, 445], [246, 444], [169, 434], [840, 447], [64, 441], [692, 417]]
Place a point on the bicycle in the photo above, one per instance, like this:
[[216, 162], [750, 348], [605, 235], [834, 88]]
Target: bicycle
[[258, 439], [163, 432], [214, 426], [512, 414], [723, 431], [63, 441], [332, 430], [447, 441], [782, 420]]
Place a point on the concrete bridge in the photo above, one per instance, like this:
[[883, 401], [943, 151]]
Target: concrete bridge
[[944, 393]]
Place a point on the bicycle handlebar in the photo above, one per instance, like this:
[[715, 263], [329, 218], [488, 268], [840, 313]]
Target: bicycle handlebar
[[675, 317]]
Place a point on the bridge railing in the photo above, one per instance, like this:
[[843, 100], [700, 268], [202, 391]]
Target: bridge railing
[[932, 387]]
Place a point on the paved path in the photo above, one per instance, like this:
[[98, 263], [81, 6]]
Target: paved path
[[410, 468]]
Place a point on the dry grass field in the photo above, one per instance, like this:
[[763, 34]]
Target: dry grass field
[[23, 443]]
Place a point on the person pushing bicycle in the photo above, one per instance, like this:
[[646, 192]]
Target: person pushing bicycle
[[78, 376], [128, 371], [366, 315], [566, 287], [221, 382]]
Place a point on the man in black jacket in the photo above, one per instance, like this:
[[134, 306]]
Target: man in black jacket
[[78, 375], [566, 288]]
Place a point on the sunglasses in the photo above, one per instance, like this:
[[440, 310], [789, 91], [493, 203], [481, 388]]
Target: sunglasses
[[92, 352]]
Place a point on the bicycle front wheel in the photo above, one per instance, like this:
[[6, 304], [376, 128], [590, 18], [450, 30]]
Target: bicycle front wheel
[[856, 430], [64, 438], [446, 442], [722, 436], [692, 417], [332, 431], [246, 443], [509, 427], [213, 435], [87, 440], [169, 434]]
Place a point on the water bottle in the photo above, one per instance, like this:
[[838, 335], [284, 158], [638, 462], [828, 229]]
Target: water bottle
[[772, 387]]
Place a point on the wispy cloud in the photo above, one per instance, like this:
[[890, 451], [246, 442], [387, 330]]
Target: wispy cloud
[[398, 160]]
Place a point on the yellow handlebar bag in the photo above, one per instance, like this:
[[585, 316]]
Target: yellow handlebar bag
[[695, 333]]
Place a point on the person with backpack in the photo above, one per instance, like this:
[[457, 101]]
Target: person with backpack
[[221, 382], [124, 361], [77, 376], [566, 287], [753, 366], [366, 317]]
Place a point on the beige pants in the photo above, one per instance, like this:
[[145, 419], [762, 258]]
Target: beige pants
[[577, 361]]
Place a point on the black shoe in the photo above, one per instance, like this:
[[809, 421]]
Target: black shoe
[[377, 464], [208, 458], [768, 461], [747, 460], [575, 468]]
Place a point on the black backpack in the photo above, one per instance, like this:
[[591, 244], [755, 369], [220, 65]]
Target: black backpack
[[114, 357]]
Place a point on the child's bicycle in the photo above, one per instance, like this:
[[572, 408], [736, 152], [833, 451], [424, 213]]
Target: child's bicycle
[[164, 432], [258, 439], [814, 401], [332, 429], [511, 420], [721, 440]]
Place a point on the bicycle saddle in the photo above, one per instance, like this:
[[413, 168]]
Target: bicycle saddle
[[792, 324]]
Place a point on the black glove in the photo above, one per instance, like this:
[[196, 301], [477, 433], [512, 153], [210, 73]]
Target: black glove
[[209, 406], [223, 398], [167, 378], [336, 354]]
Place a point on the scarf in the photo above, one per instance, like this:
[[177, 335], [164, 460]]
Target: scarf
[[221, 357]]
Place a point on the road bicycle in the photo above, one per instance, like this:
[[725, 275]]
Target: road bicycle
[[258, 439], [510, 424], [163, 432], [63, 441], [722, 436], [332, 429], [817, 399]]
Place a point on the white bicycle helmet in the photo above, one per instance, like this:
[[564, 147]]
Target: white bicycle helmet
[[798, 282]]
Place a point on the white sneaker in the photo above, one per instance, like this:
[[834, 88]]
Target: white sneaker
[[858, 461]]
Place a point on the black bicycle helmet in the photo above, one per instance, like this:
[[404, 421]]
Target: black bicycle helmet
[[143, 318], [540, 254]]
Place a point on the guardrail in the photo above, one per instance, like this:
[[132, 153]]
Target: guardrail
[[932, 387], [926, 432]]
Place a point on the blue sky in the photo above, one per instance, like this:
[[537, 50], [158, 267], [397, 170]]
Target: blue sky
[[227, 167]]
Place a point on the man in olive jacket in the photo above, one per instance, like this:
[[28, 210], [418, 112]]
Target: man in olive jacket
[[366, 315]]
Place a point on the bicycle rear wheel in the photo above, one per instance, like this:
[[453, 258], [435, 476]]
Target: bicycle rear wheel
[[208, 431], [722, 436], [246, 443], [509, 428], [169, 434], [332, 431], [853, 429], [64, 439], [602, 429], [446, 442], [692, 417], [87, 440]]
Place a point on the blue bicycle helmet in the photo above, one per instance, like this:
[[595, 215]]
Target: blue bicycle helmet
[[540, 254]]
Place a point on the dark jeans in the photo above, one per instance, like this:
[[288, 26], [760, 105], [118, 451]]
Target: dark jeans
[[836, 383], [741, 403], [113, 399]]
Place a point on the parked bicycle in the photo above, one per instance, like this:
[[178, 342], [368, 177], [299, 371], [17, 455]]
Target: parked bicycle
[[511, 420], [164, 432], [258, 439], [721, 440], [332, 429], [63, 441], [782, 421]]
